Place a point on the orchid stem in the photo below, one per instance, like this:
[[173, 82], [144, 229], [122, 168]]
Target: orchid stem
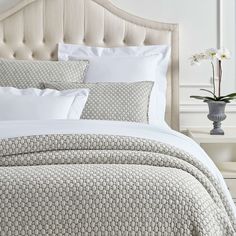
[[213, 74], [220, 77]]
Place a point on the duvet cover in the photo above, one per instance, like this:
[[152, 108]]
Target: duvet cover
[[108, 178]]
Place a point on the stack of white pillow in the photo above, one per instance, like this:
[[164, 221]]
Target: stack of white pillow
[[123, 64], [126, 64]]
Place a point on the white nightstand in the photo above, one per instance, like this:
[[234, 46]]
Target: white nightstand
[[222, 150]]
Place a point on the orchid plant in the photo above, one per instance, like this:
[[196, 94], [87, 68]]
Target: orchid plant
[[215, 57]]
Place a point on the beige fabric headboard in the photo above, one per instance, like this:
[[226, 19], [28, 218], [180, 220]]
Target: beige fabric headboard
[[32, 29]]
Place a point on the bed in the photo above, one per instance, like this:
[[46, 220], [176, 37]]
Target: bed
[[97, 177]]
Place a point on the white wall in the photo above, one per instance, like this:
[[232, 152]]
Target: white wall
[[203, 24]]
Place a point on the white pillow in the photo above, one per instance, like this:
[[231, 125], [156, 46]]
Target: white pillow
[[36, 104], [126, 64]]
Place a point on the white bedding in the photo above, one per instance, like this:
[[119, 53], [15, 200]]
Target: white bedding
[[37, 104], [10, 129]]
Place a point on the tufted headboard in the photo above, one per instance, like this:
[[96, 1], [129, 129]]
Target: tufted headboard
[[32, 29]]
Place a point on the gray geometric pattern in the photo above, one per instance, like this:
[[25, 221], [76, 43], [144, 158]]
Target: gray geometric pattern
[[113, 101], [26, 74], [107, 185]]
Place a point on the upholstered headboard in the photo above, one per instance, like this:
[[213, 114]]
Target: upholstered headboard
[[32, 29]]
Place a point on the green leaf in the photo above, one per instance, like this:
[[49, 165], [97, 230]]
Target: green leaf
[[206, 90], [231, 96], [220, 98], [225, 100], [210, 98], [203, 98]]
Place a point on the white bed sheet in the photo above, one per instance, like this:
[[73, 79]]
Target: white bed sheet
[[10, 129]]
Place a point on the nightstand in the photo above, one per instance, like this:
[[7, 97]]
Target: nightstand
[[222, 150]]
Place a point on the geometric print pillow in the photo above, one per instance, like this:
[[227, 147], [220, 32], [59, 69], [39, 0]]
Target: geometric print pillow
[[113, 101], [30, 74]]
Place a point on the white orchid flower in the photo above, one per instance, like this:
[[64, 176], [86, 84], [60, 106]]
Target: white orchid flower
[[211, 53], [202, 56], [223, 54], [194, 60], [197, 58]]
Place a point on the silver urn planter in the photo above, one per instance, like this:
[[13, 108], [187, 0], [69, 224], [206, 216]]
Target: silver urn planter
[[216, 114]]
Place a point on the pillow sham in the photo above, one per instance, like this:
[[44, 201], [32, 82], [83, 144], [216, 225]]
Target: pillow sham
[[30, 74], [126, 64], [113, 101], [36, 104]]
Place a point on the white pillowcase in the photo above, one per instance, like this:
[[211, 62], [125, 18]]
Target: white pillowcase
[[126, 64], [36, 104]]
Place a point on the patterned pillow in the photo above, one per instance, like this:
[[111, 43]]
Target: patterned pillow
[[113, 101], [25, 74]]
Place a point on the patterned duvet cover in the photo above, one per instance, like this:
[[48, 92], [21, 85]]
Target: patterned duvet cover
[[107, 185]]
